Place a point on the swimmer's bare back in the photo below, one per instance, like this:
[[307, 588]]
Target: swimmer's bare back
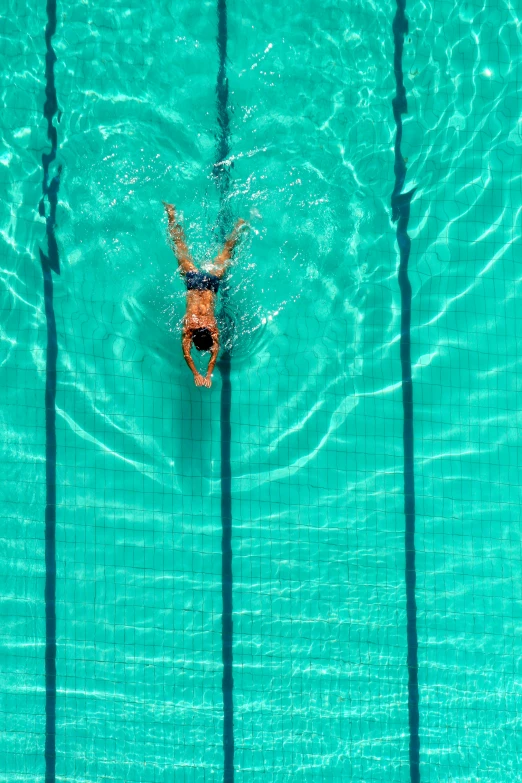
[[199, 324]]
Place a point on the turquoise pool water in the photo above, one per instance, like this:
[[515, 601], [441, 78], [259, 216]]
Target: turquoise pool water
[[319, 643]]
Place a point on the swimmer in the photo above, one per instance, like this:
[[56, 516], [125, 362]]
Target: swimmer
[[199, 324]]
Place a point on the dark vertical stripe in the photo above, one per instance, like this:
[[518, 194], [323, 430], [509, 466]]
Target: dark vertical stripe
[[221, 167], [226, 574], [222, 178], [400, 203], [50, 263]]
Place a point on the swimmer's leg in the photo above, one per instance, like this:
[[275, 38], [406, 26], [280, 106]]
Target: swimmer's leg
[[177, 235], [222, 261]]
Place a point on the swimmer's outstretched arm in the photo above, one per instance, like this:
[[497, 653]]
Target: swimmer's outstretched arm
[[222, 261], [213, 358], [199, 380]]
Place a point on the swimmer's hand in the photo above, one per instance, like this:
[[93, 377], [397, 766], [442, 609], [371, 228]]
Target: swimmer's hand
[[200, 380]]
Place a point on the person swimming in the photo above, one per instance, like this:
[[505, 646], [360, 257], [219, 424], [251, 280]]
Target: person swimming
[[199, 324]]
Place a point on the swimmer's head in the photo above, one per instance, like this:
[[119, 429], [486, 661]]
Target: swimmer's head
[[202, 339]]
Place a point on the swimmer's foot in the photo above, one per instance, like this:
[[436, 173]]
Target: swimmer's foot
[[175, 230], [239, 228], [170, 210]]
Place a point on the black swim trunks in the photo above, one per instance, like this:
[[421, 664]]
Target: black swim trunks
[[201, 281]]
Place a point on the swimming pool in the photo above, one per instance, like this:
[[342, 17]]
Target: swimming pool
[[127, 568]]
